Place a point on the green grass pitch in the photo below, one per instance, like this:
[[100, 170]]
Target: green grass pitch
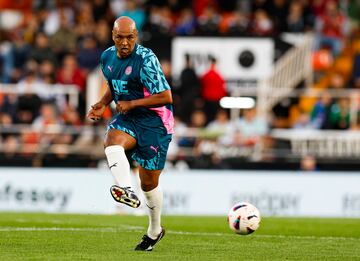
[[25, 236]]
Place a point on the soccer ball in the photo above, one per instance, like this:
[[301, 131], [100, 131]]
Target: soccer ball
[[244, 218]]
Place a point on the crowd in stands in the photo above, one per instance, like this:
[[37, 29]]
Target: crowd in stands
[[60, 42]]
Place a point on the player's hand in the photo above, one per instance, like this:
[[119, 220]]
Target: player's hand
[[96, 111], [124, 106]]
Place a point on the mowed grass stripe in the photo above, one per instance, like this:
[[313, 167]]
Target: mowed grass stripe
[[130, 229], [37, 236]]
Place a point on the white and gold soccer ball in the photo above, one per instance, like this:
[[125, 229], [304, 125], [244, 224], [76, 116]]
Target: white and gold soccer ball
[[244, 218]]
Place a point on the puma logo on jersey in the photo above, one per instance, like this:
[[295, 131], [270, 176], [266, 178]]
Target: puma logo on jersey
[[154, 149], [110, 68]]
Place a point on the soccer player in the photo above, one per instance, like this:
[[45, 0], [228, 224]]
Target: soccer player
[[144, 123]]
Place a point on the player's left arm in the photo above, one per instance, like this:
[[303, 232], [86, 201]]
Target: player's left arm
[[152, 101], [153, 79]]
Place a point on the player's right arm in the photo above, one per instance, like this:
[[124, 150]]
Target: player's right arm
[[97, 110]]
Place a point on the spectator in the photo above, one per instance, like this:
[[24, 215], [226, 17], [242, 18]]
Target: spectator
[[303, 122], [57, 17], [48, 124], [221, 123], [88, 55], [213, 88], [198, 119], [32, 27], [261, 24], [48, 116], [239, 24], [6, 61], [221, 126], [159, 25], [32, 84], [6, 123], [308, 163], [208, 22], [103, 34], [42, 50], [70, 73], [318, 7], [199, 6], [186, 23], [20, 52], [331, 28], [251, 127], [355, 74], [64, 39], [353, 10], [225, 20], [11, 147], [337, 81], [278, 9], [47, 71], [27, 108], [29, 101], [319, 115], [8, 106], [85, 21], [188, 91], [340, 114], [295, 20]]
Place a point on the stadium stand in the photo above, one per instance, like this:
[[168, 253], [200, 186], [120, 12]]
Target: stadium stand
[[50, 49]]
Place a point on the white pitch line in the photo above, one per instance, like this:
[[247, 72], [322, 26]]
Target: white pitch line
[[125, 228]]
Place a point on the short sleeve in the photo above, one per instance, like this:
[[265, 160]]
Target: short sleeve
[[102, 63], [152, 76]]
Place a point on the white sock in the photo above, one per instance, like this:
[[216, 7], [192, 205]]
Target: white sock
[[153, 200], [119, 165]]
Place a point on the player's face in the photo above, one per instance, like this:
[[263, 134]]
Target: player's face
[[125, 41]]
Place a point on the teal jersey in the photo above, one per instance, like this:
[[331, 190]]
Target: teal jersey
[[135, 77]]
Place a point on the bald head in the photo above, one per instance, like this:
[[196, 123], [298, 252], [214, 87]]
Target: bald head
[[124, 24], [124, 35]]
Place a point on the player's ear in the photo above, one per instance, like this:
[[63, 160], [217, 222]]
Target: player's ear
[[113, 35], [136, 34]]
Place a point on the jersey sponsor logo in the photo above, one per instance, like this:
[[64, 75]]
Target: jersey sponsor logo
[[110, 68], [120, 86], [128, 70]]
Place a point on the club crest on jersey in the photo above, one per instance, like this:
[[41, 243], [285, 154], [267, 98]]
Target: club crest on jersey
[[128, 70]]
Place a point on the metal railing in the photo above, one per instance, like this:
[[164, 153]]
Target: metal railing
[[292, 68], [44, 90], [334, 144]]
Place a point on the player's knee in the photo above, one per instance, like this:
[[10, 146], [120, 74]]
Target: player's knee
[[107, 143], [147, 185], [112, 139]]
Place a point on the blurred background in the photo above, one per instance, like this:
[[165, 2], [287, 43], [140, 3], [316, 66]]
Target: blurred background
[[263, 86]]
